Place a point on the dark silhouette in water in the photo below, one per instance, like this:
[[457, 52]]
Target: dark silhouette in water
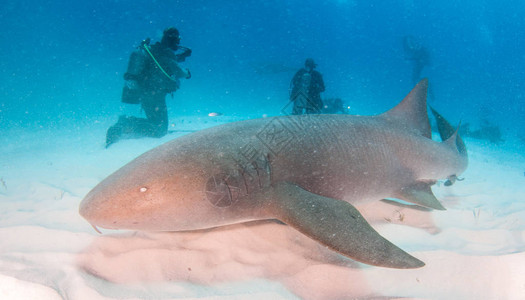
[[334, 106], [487, 131], [306, 88], [418, 54], [153, 72]]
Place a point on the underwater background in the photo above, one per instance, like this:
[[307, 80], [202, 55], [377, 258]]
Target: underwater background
[[62, 62], [61, 79]]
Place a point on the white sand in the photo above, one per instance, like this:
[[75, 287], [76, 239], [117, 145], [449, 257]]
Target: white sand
[[474, 250]]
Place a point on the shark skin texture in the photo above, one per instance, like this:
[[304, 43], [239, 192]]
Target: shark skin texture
[[307, 171]]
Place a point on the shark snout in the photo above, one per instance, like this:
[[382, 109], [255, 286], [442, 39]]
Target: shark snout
[[100, 206], [97, 213], [89, 209]]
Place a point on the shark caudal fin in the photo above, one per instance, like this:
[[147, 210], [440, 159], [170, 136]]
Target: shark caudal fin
[[335, 224], [412, 111], [450, 137], [447, 131]]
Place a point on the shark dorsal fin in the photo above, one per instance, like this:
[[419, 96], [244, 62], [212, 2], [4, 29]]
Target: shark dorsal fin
[[412, 111]]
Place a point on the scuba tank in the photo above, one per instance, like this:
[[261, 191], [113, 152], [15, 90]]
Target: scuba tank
[[147, 71], [136, 65]]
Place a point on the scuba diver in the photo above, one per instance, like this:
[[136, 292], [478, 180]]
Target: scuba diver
[[418, 54], [153, 72], [306, 87]]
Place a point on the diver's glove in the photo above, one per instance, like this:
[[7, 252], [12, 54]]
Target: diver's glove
[[185, 53], [132, 84]]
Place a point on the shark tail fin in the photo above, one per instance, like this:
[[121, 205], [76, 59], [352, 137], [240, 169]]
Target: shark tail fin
[[448, 133], [337, 225]]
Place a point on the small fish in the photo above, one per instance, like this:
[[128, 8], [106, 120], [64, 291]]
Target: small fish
[[214, 114]]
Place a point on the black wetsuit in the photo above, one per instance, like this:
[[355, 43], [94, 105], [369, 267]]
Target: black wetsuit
[[420, 58], [306, 92], [152, 86]]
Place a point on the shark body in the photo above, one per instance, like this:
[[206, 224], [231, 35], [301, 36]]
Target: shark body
[[306, 171]]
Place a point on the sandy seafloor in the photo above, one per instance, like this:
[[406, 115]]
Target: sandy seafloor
[[473, 250]]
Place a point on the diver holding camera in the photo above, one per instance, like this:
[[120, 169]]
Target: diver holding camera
[[153, 72]]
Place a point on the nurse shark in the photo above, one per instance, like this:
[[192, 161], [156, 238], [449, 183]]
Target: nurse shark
[[307, 171]]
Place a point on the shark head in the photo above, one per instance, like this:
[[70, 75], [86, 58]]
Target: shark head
[[156, 191]]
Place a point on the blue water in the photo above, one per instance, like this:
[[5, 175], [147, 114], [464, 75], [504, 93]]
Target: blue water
[[63, 61], [61, 68]]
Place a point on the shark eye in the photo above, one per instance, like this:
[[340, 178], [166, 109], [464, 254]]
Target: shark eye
[[143, 189]]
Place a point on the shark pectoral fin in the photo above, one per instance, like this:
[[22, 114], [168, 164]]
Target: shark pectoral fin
[[420, 194], [338, 225]]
